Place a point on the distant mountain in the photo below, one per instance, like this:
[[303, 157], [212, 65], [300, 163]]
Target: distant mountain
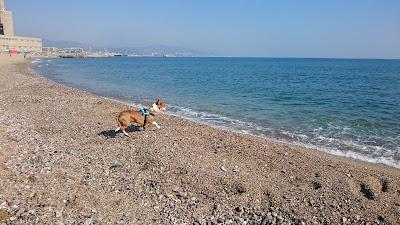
[[147, 50], [65, 44], [164, 48]]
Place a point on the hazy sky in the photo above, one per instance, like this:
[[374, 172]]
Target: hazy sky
[[284, 28]]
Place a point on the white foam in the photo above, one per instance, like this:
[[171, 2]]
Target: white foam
[[226, 123]]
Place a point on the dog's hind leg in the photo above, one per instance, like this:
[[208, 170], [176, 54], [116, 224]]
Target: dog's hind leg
[[119, 126]]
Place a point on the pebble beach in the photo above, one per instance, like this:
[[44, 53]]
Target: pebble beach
[[62, 163]]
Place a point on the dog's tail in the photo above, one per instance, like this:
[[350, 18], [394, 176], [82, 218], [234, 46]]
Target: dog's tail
[[119, 125]]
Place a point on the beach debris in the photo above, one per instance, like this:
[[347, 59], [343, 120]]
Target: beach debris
[[223, 168]]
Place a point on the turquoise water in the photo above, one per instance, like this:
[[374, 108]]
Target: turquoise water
[[342, 106]]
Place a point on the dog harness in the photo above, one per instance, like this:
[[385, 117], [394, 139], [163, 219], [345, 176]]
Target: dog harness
[[145, 112]]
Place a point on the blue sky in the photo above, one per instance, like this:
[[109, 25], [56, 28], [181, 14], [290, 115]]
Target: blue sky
[[309, 28]]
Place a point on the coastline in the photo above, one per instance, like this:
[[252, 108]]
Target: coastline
[[59, 141], [324, 122]]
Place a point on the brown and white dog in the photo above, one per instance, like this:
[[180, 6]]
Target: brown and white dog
[[127, 117]]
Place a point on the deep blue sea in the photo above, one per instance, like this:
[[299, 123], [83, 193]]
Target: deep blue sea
[[342, 106]]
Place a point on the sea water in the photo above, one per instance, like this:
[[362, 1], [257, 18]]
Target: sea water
[[347, 107]]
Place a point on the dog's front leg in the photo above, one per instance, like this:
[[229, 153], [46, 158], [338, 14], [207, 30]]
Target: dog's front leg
[[126, 134], [155, 123]]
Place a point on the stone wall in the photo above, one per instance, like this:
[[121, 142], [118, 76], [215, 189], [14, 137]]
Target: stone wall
[[21, 44]]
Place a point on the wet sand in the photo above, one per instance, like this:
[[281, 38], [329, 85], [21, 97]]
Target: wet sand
[[62, 163]]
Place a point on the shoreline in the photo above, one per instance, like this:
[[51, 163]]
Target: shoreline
[[185, 172], [331, 151]]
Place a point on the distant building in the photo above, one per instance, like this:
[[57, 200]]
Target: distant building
[[50, 49], [6, 21], [10, 42]]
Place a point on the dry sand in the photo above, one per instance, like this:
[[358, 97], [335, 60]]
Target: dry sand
[[61, 163]]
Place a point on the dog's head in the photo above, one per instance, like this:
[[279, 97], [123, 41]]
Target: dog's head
[[159, 105]]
